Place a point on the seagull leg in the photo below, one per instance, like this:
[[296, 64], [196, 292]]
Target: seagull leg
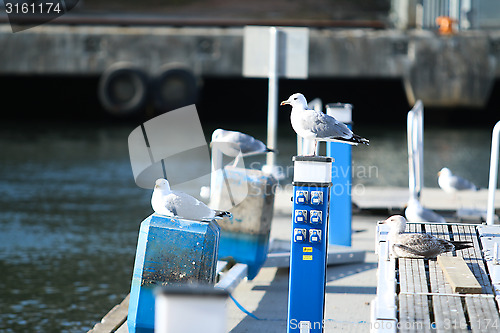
[[315, 145]]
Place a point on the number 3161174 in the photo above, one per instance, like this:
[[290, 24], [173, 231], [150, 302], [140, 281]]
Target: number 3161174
[[32, 8]]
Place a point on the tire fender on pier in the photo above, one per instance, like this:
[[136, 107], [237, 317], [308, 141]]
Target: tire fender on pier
[[123, 89], [174, 86]]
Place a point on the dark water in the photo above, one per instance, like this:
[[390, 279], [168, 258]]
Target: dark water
[[70, 210]]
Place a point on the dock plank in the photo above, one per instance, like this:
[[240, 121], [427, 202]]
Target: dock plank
[[458, 274], [479, 310], [115, 318], [413, 283], [427, 301], [448, 311]]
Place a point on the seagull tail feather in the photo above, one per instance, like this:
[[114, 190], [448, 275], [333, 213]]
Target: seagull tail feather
[[222, 213], [358, 139], [269, 150], [460, 245]]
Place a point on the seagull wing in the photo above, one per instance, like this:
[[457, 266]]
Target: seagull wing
[[325, 126], [186, 206], [248, 144], [420, 246], [461, 183]]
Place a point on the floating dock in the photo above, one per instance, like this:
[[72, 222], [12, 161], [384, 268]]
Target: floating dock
[[426, 295], [350, 287]]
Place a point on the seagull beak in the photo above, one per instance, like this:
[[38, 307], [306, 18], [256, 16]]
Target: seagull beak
[[439, 173], [157, 186], [284, 103]]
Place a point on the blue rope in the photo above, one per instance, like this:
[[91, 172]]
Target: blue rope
[[242, 308]]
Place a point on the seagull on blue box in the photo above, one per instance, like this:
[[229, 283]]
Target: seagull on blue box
[[179, 204]]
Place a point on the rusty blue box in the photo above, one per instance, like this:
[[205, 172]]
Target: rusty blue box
[[169, 250]]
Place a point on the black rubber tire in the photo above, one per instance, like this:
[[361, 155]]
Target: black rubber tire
[[123, 89], [173, 87]]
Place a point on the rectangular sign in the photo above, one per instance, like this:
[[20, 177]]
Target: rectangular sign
[[293, 52]]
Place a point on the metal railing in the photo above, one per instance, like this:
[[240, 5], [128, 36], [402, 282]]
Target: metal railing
[[415, 130], [492, 186]]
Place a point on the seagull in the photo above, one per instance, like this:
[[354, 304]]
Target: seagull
[[452, 184], [233, 142], [318, 126], [418, 246], [178, 204], [415, 212]]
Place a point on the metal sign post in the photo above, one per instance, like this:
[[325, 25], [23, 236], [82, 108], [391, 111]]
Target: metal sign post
[[311, 198], [274, 52], [341, 207]]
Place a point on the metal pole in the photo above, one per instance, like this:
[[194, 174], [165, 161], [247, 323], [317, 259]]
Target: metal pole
[[415, 129], [411, 161], [420, 147], [272, 113], [216, 166], [492, 186]]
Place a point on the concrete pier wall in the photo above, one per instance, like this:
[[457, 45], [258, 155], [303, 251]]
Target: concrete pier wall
[[449, 71]]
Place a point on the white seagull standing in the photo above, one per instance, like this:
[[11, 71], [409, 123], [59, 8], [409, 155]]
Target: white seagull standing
[[415, 212], [413, 245], [318, 126], [178, 204], [232, 143], [451, 183]]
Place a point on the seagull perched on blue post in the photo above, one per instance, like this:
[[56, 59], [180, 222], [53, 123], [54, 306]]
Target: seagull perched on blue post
[[318, 126], [179, 204]]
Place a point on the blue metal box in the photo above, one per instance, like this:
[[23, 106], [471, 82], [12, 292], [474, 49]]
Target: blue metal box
[[169, 250]]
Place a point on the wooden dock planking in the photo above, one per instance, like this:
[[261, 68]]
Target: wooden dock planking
[[412, 288], [448, 311], [478, 309], [412, 308], [114, 319], [458, 274]]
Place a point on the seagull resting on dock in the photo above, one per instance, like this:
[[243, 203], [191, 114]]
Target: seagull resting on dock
[[178, 204], [451, 183], [418, 246], [415, 212], [318, 126]]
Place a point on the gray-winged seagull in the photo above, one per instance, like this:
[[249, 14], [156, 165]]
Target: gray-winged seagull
[[318, 126], [239, 142], [451, 183], [178, 204], [413, 245]]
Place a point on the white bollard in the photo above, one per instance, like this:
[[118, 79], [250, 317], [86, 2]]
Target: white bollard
[[190, 309]]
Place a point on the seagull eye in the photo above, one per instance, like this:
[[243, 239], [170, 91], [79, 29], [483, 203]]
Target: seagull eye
[[295, 98]]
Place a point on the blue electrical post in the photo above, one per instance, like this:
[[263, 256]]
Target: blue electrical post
[[341, 204], [311, 198]]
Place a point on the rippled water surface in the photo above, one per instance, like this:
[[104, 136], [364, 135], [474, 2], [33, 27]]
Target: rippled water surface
[[70, 210]]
